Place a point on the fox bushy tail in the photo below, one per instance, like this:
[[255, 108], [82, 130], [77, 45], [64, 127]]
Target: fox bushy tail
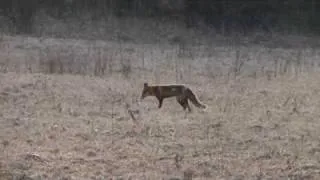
[[192, 97]]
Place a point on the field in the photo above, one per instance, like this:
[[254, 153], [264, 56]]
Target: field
[[71, 109]]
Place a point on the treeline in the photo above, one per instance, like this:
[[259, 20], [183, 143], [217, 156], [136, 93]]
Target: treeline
[[223, 15]]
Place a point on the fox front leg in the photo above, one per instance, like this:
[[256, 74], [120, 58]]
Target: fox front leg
[[160, 102]]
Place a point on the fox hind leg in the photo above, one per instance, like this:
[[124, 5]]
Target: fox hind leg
[[188, 106], [179, 100], [184, 103]]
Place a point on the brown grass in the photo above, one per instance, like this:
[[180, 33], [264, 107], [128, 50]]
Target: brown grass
[[70, 109]]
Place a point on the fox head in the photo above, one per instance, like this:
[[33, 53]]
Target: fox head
[[146, 91]]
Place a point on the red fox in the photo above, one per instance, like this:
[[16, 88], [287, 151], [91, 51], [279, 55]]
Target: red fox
[[181, 92]]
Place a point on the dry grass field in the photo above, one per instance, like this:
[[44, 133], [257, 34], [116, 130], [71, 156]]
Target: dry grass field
[[70, 110]]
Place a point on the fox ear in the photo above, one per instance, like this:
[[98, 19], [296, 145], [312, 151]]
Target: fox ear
[[145, 84]]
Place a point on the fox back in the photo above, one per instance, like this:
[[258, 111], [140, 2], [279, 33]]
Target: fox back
[[162, 91]]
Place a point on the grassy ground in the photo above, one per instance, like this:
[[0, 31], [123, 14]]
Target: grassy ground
[[59, 121]]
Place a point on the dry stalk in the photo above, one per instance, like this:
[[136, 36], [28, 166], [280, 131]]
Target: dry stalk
[[286, 66], [177, 69], [4, 66], [177, 160], [132, 112], [187, 175], [295, 106], [100, 64], [287, 100], [299, 64], [126, 68], [238, 64], [51, 63], [276, 66]]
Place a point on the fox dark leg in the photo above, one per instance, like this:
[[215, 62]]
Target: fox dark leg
[[184, 103], [160, 102], [181, 103], [187, 104]]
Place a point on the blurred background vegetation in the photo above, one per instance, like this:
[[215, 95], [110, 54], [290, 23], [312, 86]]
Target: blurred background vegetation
[[224, 16]]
